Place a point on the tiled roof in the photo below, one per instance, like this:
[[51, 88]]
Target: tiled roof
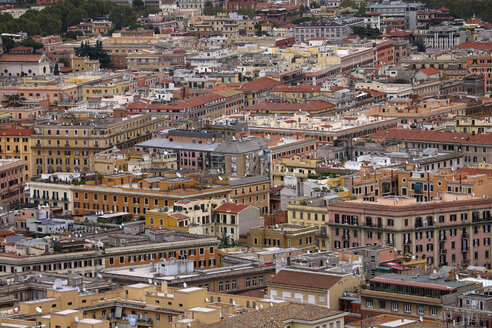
[[15, 132], [288, 107], [434, 136], [484, 46], [296, 88], [20, 58], [473, 171], [430, 71], [304, 279], [231, 207], [263, 83], [268, 317]]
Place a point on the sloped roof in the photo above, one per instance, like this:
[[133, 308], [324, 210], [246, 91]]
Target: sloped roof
[[304, 279], [231, 207]]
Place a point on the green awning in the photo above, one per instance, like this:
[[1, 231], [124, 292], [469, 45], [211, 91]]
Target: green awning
[[383, 268]]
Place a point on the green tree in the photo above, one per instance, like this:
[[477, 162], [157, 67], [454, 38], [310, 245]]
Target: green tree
[[14, 100], [137, 4], [96, 52], [123, 16], [362, 9], [315, 4], [8, 43], [56, 70], [419, 42], [348, 4], [302, 20], [30, 43], [247, 12]]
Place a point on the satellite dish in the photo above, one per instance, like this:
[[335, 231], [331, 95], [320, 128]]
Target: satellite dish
[[233, 302], [189, 324], [150, 280], [220, 178], [38, 309], [257, 308], [271, 304], [185, 284], [178, 174], [57, 284], [421, 319], [206, 299], [261, 306], [76, 319]]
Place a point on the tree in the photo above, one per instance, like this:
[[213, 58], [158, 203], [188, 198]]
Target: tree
[[56, 71], [419, 42], [123, 16], [365, 31], [315, 4], [137, 4], [247, 12], [362, 9], [302, 20], [72, 35], [96, 52], [14, 100], [210, 10], [30, 43], [348, 4], [8, 43]]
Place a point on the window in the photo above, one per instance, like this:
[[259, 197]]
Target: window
[[420, 309], [394, 306], [369, 303], [433, 311], [408, 308]]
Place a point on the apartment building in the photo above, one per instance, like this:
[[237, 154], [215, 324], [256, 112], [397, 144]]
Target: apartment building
[[394, 10], [12, 181], [445, 37], [453, 230], [293, 165], [53, 194], [233, 220], [209, 106], [476, 148], [71, 145], [318, 288], [283, 236], [329, 29], [220, 24], [471, 309], [254, 190], [422, 184], [114, 160], [481, 64], [123, 193], [257, 89], [15, 143], [411, 296]]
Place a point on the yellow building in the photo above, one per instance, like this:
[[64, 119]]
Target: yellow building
[[318, 288], [293, 166], [84, 64], [70, 145], [283, 236], [194, 216], [15, 142], [109, 88], [473, 125], [146, 62], [126, 160]]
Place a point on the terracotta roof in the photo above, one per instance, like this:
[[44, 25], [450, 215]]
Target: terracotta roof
[[304, 279], [263, 83], [317, 105], [21, 48], [231, 207], [20, 58], [430, 71], [484, 46], [472, 171], [434, 136], [268, 317], [4, 233], [178, 216], [304, 88], [15, 132]]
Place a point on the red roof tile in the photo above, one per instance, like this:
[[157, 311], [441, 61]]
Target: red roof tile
[[472, 171], [231, 208], [20, 58], [317, 105], [434, 136], [430, 71], [303, 88], [263, 83], [484, 46], [304, 279]]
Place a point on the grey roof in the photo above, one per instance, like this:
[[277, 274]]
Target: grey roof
[[429, 151], [33, 242], [192, 133], [440, 280], [14, 239], [241, 146], [166, 144], [248, 180]]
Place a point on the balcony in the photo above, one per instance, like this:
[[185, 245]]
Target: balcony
[[464, 236], [402, 296], [443, 251]]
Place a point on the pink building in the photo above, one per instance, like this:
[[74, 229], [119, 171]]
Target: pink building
[[12, 181], [452, 231]]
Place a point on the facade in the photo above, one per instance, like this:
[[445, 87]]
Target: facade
[[411, 296], [460, 236], [319, 288], [12, 181], [253, 190], [445, 37], [283, 236], [59, 148], [233, 220], [396, 9], [15, 143], [331, 30], [21, 61], [481, 65]]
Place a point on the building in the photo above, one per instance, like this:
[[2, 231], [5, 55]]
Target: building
[[283, 236], [15, 143], [305, 286], [22, 61], [392, 10], [329, 29], [12, 181], [411, 296], [114, 160], [257, 89], [481, 64], [71, 145], [292, 315], [84, 64], [452, 230], [233, 220], [253, 190], [476, 148], [295, 166], [445, 37]]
